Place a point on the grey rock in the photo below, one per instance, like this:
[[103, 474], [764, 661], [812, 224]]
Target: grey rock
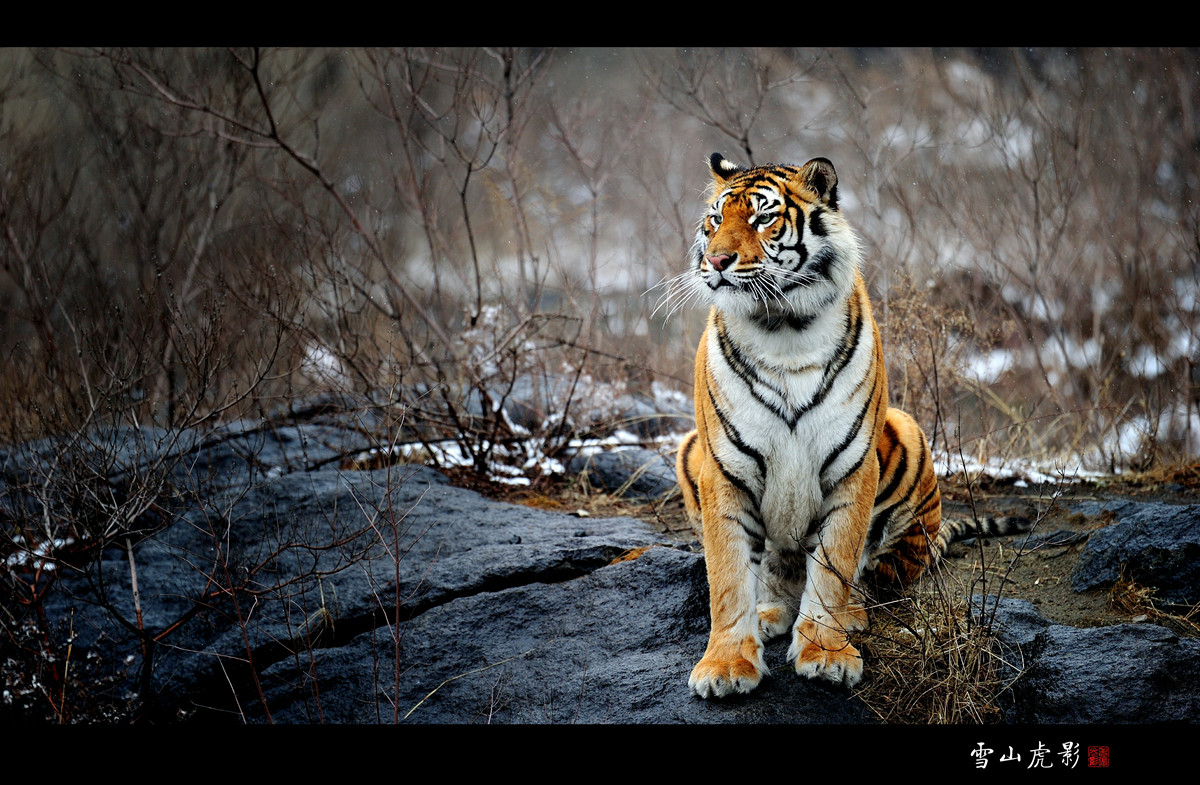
[[647, 418], [634, 472], [1157, 544], [1127, 673], [1018, 619], [591, 650], [539, 401], [535, 399], [343, 550]]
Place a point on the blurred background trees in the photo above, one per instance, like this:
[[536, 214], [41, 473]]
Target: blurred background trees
[[191, 235]]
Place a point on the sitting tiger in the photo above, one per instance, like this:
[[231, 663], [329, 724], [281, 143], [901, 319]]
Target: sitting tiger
[[799, 478]]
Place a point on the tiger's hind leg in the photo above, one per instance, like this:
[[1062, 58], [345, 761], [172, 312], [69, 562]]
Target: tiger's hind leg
[[781, 588]]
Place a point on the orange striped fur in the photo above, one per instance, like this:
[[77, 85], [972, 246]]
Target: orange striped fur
[[799, 478]]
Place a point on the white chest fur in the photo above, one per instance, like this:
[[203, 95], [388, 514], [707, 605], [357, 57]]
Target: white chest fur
[[790, 403]]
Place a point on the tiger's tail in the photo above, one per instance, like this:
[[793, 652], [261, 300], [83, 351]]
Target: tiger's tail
[[955, 529]]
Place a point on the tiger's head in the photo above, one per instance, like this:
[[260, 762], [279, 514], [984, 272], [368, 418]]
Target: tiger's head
[[773, 240]]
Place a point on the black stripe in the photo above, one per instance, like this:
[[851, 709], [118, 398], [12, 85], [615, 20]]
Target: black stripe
[[839, 360], [775, 322], [922, 462], [758, 540], [815, 223], [791, 283], [823, 262], [901, 463], [735, 436], [874, 419], [745, 370], [818, 525], [687, 475], [754, 516], [886, 516], [757, 543], [734, 480], [855, 430], [883, 519], [879, 525], [918, 511], [924, 506]]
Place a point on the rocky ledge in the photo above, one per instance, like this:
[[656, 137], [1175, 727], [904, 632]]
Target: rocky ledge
[[307, 587]]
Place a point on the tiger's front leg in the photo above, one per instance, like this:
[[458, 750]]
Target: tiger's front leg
[[829, 609], [733, 545]]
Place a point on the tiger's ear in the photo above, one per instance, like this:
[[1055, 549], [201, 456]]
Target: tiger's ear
[[723, 168], [820, 178]]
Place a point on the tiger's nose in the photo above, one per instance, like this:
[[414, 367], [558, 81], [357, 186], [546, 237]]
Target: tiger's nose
[[720, 261]]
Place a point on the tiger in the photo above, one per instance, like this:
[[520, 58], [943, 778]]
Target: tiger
[[799, 479]]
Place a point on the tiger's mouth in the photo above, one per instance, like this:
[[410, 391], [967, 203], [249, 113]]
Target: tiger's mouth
[[752, 285]]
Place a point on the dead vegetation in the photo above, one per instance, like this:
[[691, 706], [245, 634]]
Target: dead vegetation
[[932, 659], [1139, 603]]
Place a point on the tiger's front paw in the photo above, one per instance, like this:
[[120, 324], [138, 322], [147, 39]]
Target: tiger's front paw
[[716, 676], [842, 666], [822, 653]]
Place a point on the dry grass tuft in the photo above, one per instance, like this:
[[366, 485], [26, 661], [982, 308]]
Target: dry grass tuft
[[1130, 598], [932, 660]]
